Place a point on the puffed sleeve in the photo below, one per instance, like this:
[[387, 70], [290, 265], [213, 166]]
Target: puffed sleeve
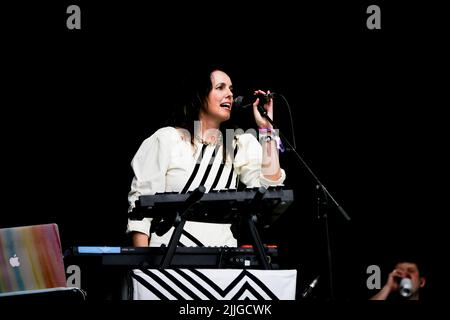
[[248, 163], [149, 165]]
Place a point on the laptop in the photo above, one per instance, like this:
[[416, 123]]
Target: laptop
[[31, 259]]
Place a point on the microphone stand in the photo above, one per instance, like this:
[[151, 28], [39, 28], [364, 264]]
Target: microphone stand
[[323, 198]]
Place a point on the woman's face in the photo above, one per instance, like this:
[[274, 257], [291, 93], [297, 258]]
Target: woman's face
[[220, 98]]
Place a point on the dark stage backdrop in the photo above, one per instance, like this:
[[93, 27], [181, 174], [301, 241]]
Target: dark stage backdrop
[[364, 104]]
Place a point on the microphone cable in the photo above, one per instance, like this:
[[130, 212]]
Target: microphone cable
[[294, 143]]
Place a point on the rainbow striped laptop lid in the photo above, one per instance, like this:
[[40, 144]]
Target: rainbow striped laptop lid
[[31, 258]]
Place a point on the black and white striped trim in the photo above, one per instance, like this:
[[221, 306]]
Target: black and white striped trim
[[192, 284]]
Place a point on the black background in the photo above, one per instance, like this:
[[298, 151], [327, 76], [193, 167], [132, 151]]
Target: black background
[[367, 109]]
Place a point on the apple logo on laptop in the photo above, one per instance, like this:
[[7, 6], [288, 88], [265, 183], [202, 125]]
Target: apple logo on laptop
[[14, 261]]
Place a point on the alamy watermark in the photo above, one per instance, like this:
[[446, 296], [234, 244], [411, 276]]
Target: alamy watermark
[[267, 157], [74, 19], [374, 279], [73, 276], [374, 20]]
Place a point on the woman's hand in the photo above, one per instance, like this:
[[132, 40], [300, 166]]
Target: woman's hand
[[262, 122]]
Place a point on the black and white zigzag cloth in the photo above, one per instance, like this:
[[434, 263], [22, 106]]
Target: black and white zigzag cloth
[[213, 284]]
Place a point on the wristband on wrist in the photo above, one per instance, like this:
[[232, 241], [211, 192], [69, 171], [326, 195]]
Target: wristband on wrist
[[265, 130], [265, 134]]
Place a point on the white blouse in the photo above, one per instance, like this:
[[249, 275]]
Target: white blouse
[[165, 162]]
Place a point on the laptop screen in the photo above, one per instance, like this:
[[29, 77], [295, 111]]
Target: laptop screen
[[31, 258]]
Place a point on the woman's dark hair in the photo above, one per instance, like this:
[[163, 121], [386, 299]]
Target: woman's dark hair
[[191, 99], [194, 91]]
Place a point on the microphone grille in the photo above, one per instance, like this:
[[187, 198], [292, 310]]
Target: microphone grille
[[238, 101]]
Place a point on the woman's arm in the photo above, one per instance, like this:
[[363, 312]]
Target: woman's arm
[[140, 239], [270, 167], [149, 165]]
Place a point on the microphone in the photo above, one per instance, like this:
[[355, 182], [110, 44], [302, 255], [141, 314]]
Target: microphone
[[247, 101], [311, 286], [406, 287]]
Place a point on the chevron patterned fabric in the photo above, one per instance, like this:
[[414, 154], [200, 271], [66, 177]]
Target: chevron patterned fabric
[[213, 284]]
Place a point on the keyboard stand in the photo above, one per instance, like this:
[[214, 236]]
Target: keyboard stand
[[252, 219], [180, 220]]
